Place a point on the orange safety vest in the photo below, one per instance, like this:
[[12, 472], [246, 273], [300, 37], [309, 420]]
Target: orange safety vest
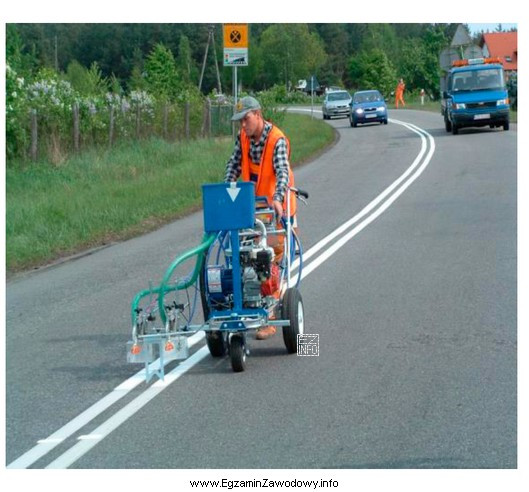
[[262, 174]]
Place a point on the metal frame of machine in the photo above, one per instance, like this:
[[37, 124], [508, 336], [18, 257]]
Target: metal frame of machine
[[242, 273]]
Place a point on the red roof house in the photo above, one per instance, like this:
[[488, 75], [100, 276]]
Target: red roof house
[[503, 45]]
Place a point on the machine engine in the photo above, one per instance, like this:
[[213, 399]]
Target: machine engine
[[257, 270]]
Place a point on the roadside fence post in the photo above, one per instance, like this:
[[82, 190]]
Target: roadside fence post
[[165, 119], [111, 128], [138, 122], [186, 121], [76, 135], [34, 134]]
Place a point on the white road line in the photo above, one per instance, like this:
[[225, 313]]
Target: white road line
[[371, 205], [88, 441], [342, 241], [44, 446]]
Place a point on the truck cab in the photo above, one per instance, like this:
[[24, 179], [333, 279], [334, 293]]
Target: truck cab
[[475, 94]]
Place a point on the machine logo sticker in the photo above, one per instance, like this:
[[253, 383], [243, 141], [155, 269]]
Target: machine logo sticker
[[308, 345]]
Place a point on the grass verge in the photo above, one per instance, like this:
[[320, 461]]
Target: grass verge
[[102, 196]]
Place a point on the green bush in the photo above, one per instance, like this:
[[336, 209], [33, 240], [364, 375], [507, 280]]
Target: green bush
[[53, 96], [17, 114]]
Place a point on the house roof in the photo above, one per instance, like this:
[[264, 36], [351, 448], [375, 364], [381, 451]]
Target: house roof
[[503, 45]]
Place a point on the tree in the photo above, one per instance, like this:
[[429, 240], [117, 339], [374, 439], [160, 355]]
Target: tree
[[22, 62], [336, 41], [381, 37], [419, 61], [184, 61], [88, 82], [373, 70], [290, 52], [161, 74]]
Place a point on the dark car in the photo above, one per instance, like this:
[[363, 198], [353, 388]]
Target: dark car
[[368, 107]]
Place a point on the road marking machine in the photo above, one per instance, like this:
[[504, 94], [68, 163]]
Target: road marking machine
[[242, 274]]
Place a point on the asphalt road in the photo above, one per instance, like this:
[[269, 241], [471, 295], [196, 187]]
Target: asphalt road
[[416, 316]]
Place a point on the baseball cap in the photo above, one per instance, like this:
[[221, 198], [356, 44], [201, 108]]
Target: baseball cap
[[244, 106]]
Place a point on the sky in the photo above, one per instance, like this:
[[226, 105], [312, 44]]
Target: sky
[[476, 28]]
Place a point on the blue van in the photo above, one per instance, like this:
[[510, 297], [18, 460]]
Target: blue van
[[475, 95]]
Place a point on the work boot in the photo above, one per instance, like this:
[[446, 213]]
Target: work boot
[[266, 332]]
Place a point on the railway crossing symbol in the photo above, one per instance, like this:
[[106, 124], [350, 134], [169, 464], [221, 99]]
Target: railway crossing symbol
[[235, 45]]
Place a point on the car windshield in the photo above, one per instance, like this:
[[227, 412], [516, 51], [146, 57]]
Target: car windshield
[[367, 97], [478, 80], [338, 96]]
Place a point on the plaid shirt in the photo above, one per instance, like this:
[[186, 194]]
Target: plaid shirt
[[280, 161]]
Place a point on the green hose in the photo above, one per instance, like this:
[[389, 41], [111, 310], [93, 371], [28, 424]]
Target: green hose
[[163, 288]]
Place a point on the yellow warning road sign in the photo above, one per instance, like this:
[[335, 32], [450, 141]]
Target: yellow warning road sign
[[235, 35]]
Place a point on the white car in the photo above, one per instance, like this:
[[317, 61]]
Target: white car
[[336, 103]]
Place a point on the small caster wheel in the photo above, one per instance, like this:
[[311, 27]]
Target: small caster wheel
[[237, 353]]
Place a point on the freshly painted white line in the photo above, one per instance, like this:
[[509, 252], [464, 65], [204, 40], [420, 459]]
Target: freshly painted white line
[[90, 437], [44, 446], [82, 447]]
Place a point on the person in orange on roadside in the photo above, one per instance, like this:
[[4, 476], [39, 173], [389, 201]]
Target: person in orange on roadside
[[399, 93]]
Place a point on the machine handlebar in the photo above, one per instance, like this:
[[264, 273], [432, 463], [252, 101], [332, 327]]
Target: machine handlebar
[[299, 192]]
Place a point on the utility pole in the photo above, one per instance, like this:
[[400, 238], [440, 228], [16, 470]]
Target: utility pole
[[211, 39], [212, 30]]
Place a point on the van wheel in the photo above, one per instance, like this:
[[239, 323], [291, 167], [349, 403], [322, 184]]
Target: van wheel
[[448, 125], [506, 126], [455, 129]]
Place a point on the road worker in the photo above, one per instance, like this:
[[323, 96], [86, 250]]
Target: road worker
[[261, 155], [399, 93]]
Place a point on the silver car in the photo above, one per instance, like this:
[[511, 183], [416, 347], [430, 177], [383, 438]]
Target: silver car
[[336, 103]]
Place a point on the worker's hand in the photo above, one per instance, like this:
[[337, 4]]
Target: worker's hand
[[278, 207]]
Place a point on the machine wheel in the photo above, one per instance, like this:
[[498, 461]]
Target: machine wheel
[[237, 353], [448, 125], [292, 309], [216, 344], [455, 129], [506, 126]]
